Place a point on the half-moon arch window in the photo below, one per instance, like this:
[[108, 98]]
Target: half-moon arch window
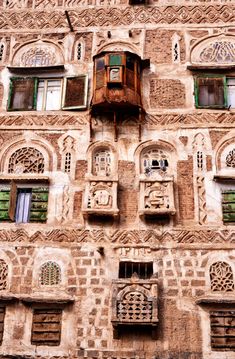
[[26, 160]]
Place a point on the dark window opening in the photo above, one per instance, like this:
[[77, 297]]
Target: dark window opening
[[143, 270], [2, 316]]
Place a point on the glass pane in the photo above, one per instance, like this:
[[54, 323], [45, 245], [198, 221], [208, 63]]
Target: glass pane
[[23, 205], [231, 92], [41, 84], [53, 95], [99, 64], [211, 92], [115, 74], [115, 60], [130, 63]]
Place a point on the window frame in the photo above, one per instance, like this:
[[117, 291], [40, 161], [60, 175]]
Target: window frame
[[63, 88], [14, 186], [196, 90]]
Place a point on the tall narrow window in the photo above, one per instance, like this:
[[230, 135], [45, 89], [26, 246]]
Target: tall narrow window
[[228, 206], [67, 162], [2, 316], [79, 51], [1, 52], [199, 160]]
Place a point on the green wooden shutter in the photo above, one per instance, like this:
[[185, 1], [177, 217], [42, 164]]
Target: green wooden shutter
[[228, 206], [39, 204], [5, 202]]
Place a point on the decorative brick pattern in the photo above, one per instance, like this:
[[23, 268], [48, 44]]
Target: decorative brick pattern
[[185, 188], [167, 94]]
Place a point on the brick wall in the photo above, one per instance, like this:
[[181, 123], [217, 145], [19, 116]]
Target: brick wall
[[167, 93], [185, 189]]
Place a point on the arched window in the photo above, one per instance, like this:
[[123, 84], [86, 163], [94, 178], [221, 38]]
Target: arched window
[[3, 274], [154, 160], [101, 165], [50, 274], [221, 277], [26, 160]]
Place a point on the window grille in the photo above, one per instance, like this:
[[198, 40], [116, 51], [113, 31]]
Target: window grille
[[143, 270], [154, 160], [50, 274], [2, 316], [26, 160], [222, 330], [221, 277], [1, 51], [134, 307], [230, 159], [67, 162], [3, 274], [102, 163], [46, 327], [79, 51], [199, 160]]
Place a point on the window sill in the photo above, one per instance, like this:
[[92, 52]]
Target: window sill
[[219, 298], [35, 69]]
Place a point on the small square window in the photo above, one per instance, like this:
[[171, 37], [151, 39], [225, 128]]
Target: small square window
[[46, 327]]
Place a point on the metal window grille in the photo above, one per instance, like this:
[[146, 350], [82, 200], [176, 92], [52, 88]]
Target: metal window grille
[[50, 273], [143, 270]]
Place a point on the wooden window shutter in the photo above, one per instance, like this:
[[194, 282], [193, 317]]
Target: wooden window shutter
[[23, 94], [228, 206], [5, 202], [13, 198], [46, 327], [75, 93], [39, 204]]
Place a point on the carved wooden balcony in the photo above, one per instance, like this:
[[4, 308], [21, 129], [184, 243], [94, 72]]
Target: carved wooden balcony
[[100, 197], [156, 197], [134, 302]]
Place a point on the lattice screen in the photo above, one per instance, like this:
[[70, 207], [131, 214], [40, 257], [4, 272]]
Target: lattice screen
[[50, 274], [26, 160], [3, 274], [134, 307], [221, 277]]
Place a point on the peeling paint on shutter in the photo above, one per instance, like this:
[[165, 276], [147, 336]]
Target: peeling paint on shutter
[[228, 206], [39, 204], [22, 95], [5, 202]]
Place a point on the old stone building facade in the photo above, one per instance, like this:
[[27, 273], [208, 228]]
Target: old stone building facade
[[117, 179]]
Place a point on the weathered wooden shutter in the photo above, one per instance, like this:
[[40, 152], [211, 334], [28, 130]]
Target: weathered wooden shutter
[[75, 93], [23, 93], [210, 92], [46, 327], [13, 198], [2, 316], [5, 202], [228, 206], [39, 204]]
